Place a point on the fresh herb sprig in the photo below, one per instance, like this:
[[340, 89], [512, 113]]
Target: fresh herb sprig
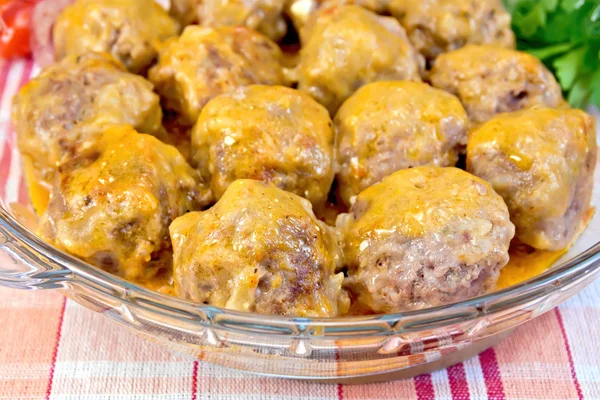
[[565, 35]]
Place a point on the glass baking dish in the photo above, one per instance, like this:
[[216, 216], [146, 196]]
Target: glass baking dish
[[350, 349]]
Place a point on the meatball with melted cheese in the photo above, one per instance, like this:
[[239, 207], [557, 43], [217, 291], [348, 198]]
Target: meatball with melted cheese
[[388, 126], [205, 62], [437, 26], [259, 249], [491, 80], [347, 47], [541, 161], [73, 100], [114, 200], [300, 11], [269, 133], [131, 30], [424, 237], [266, 16]]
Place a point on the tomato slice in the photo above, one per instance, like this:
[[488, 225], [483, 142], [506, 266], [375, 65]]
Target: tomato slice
[[15, 28]]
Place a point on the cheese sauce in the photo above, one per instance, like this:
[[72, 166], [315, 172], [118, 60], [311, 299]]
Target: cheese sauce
[[39, 191], [525, 262]]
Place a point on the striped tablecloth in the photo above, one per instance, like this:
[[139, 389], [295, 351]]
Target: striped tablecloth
[[55, 349]]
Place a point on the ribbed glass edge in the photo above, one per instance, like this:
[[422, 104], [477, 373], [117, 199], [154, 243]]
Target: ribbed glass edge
[[66, 271]]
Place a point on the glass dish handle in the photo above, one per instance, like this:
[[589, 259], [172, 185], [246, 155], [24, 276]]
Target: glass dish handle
[[22, 268]]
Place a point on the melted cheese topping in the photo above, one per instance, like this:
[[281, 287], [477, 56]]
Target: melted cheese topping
[[39, 190], [525, 262]]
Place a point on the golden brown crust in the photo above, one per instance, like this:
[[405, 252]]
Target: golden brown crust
[[131, 30], [347, 47], [205, 62], [74, 100], [259, 249], [542, 162], [391, 125], [489, 80], [265, 16], [424, 237], [269, 133], [114, 201], [437, 26]]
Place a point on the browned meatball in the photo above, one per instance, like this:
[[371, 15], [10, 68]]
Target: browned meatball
[[74, 100], [114, 201], [437, 26], [491, 80], [269, 133], [259, 249], [205, 62], [387, 126], [266, 16], [131, 30], [423, 237], [347, 47], [300, 11], [541, 161]]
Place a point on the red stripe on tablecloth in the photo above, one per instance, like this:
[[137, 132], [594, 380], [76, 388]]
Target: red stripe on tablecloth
[[5, 163], [569, 354], [6, 152], [424, 387], [3, 74], [459, 387], [340, 392], [55, 352], [5, 167], [195, 381], [491, 375]]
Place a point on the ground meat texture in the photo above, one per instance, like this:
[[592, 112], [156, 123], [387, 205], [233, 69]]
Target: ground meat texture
[[130, 30], [269, 133], [259, 249], [387, 126], [114, 201], [73, 100], [205, 62], [424, 237], [266, 16], [541, 161], [491, 80], [347, 47], [437, 26]]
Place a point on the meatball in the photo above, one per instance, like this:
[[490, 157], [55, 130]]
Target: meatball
[[266, 16], [205, 62], [269, 133], [128, 29], [300, 11], [424, 237], [114, 201], [347, 47], [259, 249], [74, 99], [388, 126], [438, 26], [541, 161], [491, 80]]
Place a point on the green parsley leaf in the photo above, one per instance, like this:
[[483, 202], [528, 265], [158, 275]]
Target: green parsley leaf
[[567, 67], [551, 51], [550, 5], [565, 35]]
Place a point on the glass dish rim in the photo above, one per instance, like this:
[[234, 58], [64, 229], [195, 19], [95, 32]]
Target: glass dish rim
[[72, 269]]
